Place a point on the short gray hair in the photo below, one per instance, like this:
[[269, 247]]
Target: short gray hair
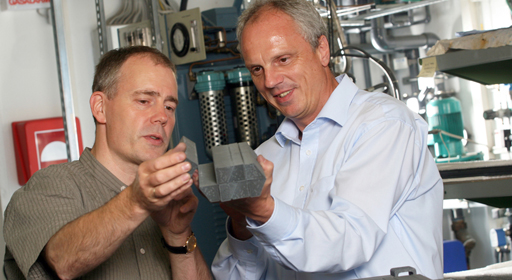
[[308, 19], [107, 70]]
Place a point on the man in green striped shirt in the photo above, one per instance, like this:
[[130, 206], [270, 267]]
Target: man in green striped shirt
[[123, 211]]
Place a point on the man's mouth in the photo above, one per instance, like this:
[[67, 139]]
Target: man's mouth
[[155, 139], [284, 94]]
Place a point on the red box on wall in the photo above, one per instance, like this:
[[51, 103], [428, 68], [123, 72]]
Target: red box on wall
[[40, 143]]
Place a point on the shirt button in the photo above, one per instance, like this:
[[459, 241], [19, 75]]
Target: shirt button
[[142, 251], [301, 188], [308, 152], [122, 188]]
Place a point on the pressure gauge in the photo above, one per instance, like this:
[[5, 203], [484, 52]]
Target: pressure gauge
[[184, 36], [180, 39]]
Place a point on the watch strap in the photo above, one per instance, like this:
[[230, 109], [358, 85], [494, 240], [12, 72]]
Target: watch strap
[[179, 249]]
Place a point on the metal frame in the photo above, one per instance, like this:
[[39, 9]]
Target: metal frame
[[66, 95]]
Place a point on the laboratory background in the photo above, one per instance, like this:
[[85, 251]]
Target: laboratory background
[[448, 60]]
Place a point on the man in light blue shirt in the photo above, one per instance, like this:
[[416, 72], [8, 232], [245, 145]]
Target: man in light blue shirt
[[352, 190]]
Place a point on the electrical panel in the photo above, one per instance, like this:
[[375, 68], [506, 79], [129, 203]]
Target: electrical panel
[[183, 36], [135, 34]]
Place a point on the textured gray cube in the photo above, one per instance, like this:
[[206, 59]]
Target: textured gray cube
[[191, 153], [228, 163], [234, 174]]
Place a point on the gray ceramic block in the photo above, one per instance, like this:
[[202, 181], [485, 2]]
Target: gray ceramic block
[[252, 168], [228, 163], [207, 183], [191, 153], [227, 190], [248, 188], [234, 174]]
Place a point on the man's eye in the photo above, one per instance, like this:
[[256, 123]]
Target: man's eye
[[142, 101], [170, 108], [283, 59], [256, 70]]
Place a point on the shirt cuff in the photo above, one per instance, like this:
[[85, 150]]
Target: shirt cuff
[[281, 223], [245, 250]]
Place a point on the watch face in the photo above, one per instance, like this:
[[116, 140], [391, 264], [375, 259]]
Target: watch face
[[191, 243]]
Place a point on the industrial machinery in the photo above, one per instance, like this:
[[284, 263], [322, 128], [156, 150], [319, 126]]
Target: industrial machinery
[[444, 117]]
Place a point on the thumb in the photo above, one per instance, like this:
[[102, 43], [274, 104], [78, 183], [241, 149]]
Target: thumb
[[267, 165]]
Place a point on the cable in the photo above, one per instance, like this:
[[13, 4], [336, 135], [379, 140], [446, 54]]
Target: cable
[[441, 132], [446, 147], [393, 84]]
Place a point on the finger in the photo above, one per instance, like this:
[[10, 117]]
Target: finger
[[176, 172], [173, 188], [195, 178], [170, 158], [183, 196]]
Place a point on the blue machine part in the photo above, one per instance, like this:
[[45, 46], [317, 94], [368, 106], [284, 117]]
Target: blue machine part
[[237, 75], [210, 80]]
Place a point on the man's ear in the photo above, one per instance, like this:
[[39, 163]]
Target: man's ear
[[323, 51], [98, 103]]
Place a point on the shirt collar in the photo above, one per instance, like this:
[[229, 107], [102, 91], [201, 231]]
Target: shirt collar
[[336, 109], [100, 172]]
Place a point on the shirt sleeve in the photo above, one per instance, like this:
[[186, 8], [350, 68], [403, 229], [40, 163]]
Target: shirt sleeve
[[237, 259], [30, 222], [377, 175]]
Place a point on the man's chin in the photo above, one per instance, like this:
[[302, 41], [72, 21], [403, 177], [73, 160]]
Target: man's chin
[[152, 154]]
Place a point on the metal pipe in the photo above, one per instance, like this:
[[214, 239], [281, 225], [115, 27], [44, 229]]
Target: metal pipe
[[156, 38], [384, 42], [66, 97], [102, 29], [366, 64], [341, 35], [426, 20], [393, 84]]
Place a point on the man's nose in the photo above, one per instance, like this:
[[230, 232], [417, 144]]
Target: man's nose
[[272, 77], [160, 116]]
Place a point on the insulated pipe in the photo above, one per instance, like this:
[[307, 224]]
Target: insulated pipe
[[387, 43], [341, 35]]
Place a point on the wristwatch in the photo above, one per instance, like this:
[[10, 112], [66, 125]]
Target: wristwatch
[[189, 246]]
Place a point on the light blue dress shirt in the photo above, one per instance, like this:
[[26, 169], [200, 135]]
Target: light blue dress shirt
[[358, 195]]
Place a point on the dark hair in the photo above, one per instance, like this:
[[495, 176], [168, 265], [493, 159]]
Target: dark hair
[[107, 70], [310, 23]]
